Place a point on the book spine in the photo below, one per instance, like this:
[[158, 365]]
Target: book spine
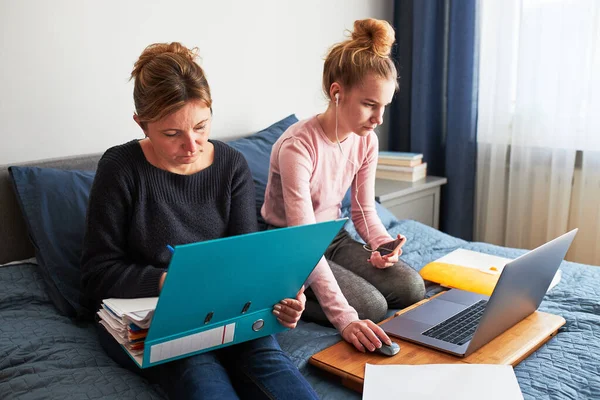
[[400, 155], [401, 163], [401, 176], [397, 168]]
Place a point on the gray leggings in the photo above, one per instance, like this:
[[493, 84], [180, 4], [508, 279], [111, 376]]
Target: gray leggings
[[368, 289]]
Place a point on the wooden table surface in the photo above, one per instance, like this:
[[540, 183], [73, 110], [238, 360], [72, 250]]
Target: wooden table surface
[[511, 347]]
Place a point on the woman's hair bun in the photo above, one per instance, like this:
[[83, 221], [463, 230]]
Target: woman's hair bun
[[376, 34], [157, 49]]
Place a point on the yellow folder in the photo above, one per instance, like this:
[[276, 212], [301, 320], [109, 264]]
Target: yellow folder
[[467, 270]]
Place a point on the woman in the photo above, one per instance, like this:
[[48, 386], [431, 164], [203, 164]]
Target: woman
[[312, 166], [176, 186]]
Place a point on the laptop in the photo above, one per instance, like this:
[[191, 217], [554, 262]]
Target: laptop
[[460, 322], [221, 292]]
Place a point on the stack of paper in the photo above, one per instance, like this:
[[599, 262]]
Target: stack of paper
[[128, 320]]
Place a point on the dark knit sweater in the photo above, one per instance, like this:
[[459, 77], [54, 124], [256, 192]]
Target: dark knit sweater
[[136, 209]]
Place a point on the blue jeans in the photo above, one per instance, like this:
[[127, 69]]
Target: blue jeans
[[256, 369]]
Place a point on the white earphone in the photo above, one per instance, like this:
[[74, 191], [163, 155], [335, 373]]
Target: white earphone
[[365, 246]]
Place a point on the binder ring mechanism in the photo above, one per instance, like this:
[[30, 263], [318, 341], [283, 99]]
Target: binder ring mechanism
[[246, 307], [256, 326]]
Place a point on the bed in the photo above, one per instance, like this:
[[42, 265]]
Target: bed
[[46, 353]]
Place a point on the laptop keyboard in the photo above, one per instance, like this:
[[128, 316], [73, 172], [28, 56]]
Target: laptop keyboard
[[459, 328]]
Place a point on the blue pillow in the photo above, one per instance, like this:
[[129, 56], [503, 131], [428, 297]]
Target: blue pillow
[[54, 204], [387, 219], [386, 216], [347, 200], [257, 151]]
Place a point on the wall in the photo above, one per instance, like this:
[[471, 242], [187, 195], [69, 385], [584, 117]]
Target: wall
[[64, 86]]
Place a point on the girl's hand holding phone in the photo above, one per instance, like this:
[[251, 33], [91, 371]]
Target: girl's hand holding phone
[[388, 253]]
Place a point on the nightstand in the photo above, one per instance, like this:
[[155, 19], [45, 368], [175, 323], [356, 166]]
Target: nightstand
[[419, 201]]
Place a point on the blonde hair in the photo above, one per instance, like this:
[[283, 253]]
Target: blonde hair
[[367, 51], [166, 76]]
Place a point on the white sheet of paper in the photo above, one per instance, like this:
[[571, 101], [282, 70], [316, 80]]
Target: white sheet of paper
[[111, 320], [474, 259], [441, 381], [126, 306]]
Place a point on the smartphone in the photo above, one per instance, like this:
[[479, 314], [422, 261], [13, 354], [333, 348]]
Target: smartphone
[[385, 249]]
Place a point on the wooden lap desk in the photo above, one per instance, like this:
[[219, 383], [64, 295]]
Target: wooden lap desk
[[511, 347]]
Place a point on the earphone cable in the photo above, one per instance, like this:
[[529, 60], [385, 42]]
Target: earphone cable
[[367, 245]]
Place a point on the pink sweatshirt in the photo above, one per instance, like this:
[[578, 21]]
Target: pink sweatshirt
[[308, 179]]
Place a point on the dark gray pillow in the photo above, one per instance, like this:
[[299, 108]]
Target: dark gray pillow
[[54, 204]]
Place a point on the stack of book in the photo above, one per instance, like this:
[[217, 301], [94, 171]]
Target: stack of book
[[401, 166], [128, 320]]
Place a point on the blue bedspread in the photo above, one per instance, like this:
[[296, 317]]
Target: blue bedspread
[[44, 355]]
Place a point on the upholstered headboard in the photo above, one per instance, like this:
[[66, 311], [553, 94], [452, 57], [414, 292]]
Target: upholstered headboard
[[14, 242]]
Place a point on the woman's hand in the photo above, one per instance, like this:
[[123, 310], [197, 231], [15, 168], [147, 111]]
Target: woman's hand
[[365, 334], [161, 282], [392, 251], [288, 311]]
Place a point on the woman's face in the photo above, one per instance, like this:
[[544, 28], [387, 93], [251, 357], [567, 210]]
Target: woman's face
[[180, 138], [363, 105]]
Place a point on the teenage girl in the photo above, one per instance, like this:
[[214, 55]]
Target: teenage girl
[[311, 168]]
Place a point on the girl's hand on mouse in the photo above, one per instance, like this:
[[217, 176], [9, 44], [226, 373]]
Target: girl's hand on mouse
[[289, 311], [365, 335]]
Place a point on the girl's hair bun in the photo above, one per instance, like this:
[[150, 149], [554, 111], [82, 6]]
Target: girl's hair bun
[[378, 35]]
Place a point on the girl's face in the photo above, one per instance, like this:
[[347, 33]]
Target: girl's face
[[362, 106], [180, 138]]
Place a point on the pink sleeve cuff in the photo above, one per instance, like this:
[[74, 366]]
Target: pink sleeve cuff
[[379, 240], [344, 320]]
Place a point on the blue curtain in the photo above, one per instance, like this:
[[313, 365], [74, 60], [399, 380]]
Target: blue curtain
[[435, 110]]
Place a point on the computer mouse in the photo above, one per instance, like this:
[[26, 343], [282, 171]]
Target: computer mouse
[[388, 350]]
